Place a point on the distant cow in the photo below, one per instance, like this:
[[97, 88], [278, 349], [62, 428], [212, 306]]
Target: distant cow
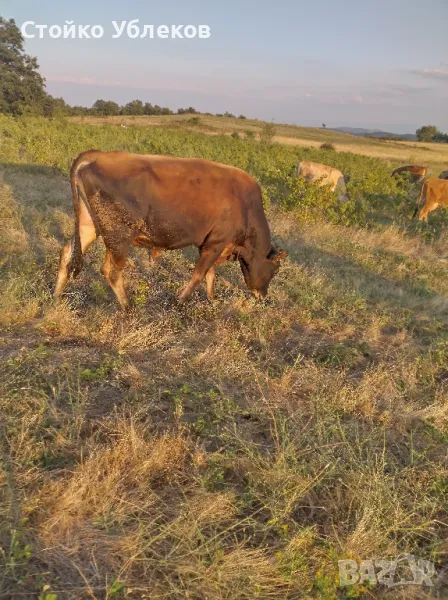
[[443, 175], [323, 175], [162, 202], [417, 173], [434, 194]]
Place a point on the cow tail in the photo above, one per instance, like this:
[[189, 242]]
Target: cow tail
[[419, 201], [78, 194]]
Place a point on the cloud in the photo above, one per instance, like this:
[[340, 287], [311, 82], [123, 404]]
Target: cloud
[[439, 74], [81, 80], [403, 89], [358, 99]]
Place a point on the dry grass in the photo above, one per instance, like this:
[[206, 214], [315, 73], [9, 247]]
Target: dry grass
[[224, 451]]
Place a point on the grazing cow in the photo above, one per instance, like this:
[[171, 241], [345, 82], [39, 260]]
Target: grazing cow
[[162, 202], [443, 175], [434, 194], [324, 175], [418, 173]]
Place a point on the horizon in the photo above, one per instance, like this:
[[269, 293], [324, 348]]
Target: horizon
[[353, 68]]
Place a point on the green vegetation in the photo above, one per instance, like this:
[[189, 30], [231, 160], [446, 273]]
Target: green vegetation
[[55, 143], [430, 133], [233, 450]]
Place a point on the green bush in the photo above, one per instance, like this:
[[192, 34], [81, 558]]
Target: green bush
[[268, 132], [327, 146]]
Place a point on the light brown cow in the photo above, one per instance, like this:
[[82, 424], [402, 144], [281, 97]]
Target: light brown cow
[[434, 194], [323, 175], [443, 175], [167, 203], [418, 173]]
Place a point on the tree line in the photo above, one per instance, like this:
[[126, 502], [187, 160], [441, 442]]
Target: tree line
[[430, 133]]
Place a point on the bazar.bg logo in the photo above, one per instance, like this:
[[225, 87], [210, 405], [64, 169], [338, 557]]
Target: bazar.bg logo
[[392, 573]]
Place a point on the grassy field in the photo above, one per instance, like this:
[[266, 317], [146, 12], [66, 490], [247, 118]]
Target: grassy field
[[233, 450], [434, 156]]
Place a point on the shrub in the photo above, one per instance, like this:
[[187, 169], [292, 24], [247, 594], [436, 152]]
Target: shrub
[[235, 135], [327, 146], [268, 132], [250, 134]]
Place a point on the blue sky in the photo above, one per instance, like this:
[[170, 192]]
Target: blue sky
[[379, 64]]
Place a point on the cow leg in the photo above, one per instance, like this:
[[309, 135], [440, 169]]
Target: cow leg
[[423, 216], [210, 283], [112, 270], [154, 254], [206, 261], [87, 234]]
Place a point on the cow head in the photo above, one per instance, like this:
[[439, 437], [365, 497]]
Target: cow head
[[258, 272]]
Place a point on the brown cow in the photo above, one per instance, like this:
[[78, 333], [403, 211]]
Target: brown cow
[[162, 202], [443, 175], [324, 175], [434, 193], [418, 173]]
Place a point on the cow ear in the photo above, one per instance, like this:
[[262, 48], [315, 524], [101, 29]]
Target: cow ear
[[278, 257]]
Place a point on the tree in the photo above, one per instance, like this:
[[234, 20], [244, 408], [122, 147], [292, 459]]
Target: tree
[[78, 111], [148, 108], [440, 137], [133, 108], [106, 108], [324, 126], [185, 111], [426, 133], [60, 107], [22, 89]]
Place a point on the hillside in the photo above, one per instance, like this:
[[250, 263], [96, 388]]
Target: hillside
[[375, 133], [397, 152], [234, 450]]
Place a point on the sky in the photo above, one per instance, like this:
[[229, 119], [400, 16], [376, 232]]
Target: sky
[[381, 64]]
